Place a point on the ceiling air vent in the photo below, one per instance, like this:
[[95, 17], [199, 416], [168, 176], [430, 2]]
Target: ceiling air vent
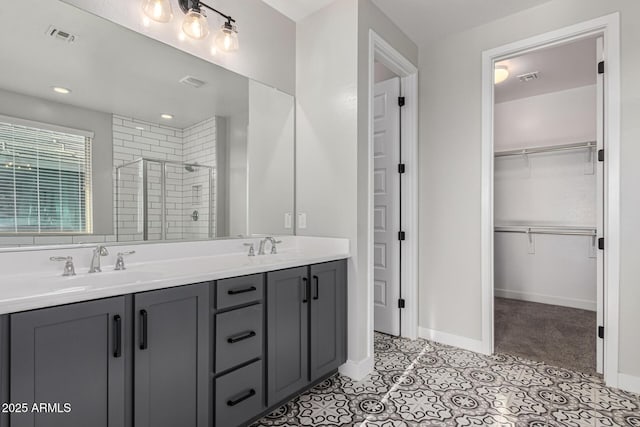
[[528, 77], [192, 81], [61, 35]]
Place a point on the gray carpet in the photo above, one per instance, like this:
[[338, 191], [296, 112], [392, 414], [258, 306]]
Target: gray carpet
[[559, 336]]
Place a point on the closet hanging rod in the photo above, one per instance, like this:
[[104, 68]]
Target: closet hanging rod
[[591, 232], [547, 149]]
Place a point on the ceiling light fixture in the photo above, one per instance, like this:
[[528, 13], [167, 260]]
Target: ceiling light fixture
[[62, 90], [501, 73], [158, 10], [166, 116]]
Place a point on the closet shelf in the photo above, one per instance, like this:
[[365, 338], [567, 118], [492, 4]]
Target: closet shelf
[[555, 230], [547, 149]]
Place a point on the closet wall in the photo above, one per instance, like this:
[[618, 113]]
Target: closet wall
[[546, 189]]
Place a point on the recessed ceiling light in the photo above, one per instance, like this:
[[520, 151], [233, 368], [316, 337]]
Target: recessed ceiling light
[[139, 128], [166, 116], [62, 90]]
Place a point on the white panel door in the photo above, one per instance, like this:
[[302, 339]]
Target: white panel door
[[386, 218], [600, 168]]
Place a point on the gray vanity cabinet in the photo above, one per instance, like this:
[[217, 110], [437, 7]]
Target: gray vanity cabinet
[[287, 333], [171, 357], [328, 318], [76, 354]]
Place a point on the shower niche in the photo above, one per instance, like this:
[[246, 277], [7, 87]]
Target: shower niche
[[166, 200]]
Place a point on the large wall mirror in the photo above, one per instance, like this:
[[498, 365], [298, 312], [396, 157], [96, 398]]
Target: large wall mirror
[[107, 135]]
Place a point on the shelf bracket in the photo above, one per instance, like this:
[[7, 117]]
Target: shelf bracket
[[531, 250]]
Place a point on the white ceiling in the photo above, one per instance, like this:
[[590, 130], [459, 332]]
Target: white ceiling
[[559, 68], [109, 68], [425, 21], [297, 9]]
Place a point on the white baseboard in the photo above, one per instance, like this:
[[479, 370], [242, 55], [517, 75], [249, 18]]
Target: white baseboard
[[357, 370], [547, 299], [629, 383], [450, 339]]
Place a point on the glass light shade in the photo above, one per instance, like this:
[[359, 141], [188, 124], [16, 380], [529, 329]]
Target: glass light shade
[[195, 24], [158, 10], [501, 73], [227, 38]]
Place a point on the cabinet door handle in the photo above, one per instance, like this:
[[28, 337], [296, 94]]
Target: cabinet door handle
[[241, 291], [241, 337], [305, 291], [316, 281], [117, 336], [244, 397], [143, 330]]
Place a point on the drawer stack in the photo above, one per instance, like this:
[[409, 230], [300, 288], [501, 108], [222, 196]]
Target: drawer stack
[[239, 349]]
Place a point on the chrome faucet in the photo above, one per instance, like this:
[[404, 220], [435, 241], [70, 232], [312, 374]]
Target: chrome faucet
[[274, 249], [69, 269], [98, 252]]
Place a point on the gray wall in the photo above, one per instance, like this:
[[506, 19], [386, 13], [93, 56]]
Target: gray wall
[[31, 108], [450, 144], [267, 38], [331, 140]]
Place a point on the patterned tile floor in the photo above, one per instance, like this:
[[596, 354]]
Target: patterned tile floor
[[422, 383]]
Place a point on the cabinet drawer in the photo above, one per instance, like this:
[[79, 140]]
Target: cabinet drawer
[[239, 395], [238, 336], [238, 290]]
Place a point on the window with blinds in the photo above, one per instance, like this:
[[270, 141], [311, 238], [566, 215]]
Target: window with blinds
[[45, 179]]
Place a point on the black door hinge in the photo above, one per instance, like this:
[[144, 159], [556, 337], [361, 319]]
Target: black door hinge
[[401, 168], [401, 303], [601, 155], [401, 101], [601, 332], [601, 243], [601, 67], [401, 235]]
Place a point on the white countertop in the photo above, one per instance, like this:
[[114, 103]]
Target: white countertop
[[28, 282]]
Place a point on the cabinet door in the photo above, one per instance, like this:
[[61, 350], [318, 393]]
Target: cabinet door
[[71, 354], [171, 349], [287, 333], [328, 317]]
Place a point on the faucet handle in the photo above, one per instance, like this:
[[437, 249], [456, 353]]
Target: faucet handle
[[252, 251], [274, 242], [120, 259], [69, 269]]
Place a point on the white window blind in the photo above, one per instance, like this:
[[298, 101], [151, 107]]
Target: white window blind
[[45, 179]]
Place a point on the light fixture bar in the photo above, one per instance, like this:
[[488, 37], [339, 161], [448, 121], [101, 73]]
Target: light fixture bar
[[186, 5]]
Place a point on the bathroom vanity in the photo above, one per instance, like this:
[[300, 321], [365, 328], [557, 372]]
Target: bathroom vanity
[[217, 352]]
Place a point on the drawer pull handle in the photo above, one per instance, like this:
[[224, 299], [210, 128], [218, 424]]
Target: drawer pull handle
[[241, 291], [117, 336], [143, 330], [242, 398], [241, 337]]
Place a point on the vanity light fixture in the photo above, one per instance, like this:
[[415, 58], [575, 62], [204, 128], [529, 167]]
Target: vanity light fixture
[[195, 25], [501, 73], [166, 116], [62, 90], [158, 10]]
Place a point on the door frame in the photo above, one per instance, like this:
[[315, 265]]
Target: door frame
[[609, 27], [382, 51]]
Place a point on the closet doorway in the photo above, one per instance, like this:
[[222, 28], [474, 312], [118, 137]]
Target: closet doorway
[[548, 205]]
